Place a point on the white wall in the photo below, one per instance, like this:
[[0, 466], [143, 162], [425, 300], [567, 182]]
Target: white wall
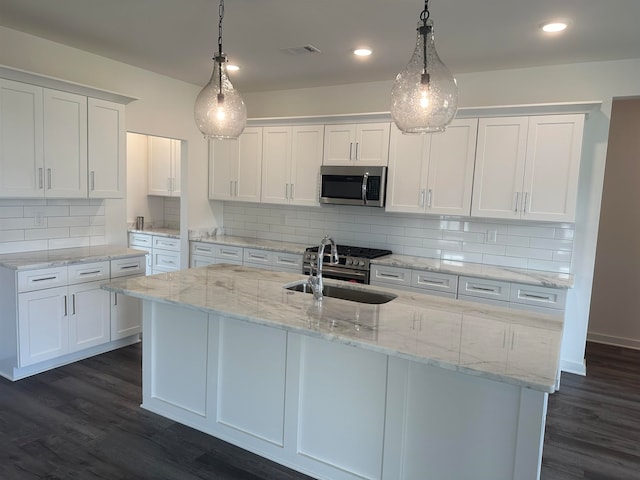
[[563, 83]]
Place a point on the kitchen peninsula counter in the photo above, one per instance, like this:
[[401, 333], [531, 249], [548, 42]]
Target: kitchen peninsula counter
[[344, 390]]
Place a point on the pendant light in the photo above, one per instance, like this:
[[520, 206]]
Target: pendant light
[[424, 97], [219, 110]]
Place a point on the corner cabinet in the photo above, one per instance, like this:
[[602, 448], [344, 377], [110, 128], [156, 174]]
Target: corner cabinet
[[163, 167], [527, 167], [235, 167], [56, 144], [291, 159], [432, 173], [356, 144]]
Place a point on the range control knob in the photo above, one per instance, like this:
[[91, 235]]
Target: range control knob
[[349, 261], [313, 256], [361, 263]]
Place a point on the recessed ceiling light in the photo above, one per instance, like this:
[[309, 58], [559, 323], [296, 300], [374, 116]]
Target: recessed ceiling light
[[233, 68], [553, 27], [362, 52]]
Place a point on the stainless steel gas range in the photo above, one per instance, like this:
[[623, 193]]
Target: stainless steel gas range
[[353, 266]]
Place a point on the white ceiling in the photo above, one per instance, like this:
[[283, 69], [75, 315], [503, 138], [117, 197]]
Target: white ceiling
[[177, 38]]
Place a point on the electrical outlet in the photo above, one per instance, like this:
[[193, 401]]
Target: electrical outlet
[[39, 219], [492, 236]]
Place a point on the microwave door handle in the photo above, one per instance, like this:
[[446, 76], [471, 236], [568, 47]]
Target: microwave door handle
[[365, 179]]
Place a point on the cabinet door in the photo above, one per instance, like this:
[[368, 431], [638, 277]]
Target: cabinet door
[[276, 161], [499, 170], [248, 180], [43, 325], [451, 161], [176, 165], [223, 163], [106, 149], [552, 166], [89, 316], [372, 144], [306, 158], [126, 316], [159, 166], [65, 144], [339, 148], [407, 173], [21, 155]]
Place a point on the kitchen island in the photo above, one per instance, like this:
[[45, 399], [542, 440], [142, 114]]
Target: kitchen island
[[418, 388]]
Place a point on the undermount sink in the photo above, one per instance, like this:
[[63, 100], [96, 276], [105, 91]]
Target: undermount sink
[[344, 293]]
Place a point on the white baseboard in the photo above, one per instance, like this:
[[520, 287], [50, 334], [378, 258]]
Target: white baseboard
[[579, 368], [612, 340]]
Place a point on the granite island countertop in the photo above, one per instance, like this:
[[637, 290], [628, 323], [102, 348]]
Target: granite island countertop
[[512, 346], [65, 256], [159, 231]]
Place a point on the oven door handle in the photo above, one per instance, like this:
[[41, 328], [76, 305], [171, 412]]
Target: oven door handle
[[349, 274], [365, 180]]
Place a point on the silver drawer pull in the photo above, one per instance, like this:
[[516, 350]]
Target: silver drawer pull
[[202, 249], [484, 289], [93, 272], [537, 297], [43, 279], [126, 267], [287, 260], [259, 257], [389, 275], [227, 252], [433, 282]]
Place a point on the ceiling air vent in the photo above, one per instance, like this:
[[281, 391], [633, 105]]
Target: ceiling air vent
[[303, 50]]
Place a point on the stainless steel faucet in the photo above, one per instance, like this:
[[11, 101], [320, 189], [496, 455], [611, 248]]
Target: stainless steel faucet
[[315, 282]]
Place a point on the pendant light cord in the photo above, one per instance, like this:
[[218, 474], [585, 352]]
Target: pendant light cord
[[424, 16], [220, 59]]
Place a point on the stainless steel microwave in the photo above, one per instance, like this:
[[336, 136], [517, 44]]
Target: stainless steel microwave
[[353, 185]]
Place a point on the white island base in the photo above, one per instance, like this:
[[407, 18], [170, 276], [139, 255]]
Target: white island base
[[335, 411]]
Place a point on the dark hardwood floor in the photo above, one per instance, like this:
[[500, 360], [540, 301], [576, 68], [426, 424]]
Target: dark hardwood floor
[[83, 421]]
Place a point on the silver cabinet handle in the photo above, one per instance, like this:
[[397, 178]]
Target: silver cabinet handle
[[389, 275], [537, 297], [115, 299], [365, 179], [517, 200], [73, 304], [422, 193], [231, 188], [92, 180], [49, 178], [40, 178], [483, 289], [235, 190], [357, 143], [65, 305], [93, 272], [291, 191], [350, 149], [524, 208], [429, 195]]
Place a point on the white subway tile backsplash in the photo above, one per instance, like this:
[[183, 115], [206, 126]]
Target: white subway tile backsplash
[[85, 210], [11, 235], [80, 221], [46, 233], [90, 231], [47, 211], [11, 212], [519, 244], [23, 246], [71, 242], [17, 223]]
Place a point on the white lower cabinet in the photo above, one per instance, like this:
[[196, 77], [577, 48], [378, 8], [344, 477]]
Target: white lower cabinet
[[63, 315], [163, 252], [420, 281], [337, 411], [205, 253]]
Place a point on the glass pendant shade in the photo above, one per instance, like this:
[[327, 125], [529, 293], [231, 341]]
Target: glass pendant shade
[[424, 102], [219, 111]]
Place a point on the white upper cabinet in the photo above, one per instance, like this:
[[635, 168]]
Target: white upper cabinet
[[235, 167], [432, 173], [106, 149], [65, 144], [527, 167], [356, 144], [163, 167], [291, 159], [56, 144], [21, 130]]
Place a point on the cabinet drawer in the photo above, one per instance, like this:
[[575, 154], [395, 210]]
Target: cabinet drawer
[[257, 257], [538, 296], [202, 249], [88, 272], [123, 267], [41, 278], [226, 252], [483, 288], [391, 275], [166, 243], [140, 240], [440, 282], [287, 261], [165, 261], [201, 261]]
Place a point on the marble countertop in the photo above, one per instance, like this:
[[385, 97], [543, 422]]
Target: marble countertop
[[65, 256], [511, 346], [493, 272], [160, 231], [272, 245]]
